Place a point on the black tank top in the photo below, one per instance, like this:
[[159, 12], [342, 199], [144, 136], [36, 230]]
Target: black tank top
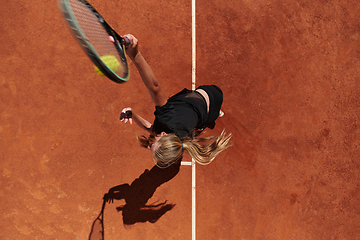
[[181, 114]]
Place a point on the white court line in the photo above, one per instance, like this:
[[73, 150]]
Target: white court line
[[193, 206], [193, 80], [192, 163], [186, 163], [193, 30]]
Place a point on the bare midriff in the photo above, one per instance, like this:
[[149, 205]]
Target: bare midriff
[[206, 96]]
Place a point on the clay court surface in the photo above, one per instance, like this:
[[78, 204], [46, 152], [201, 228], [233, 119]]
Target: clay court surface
[[290, 73]]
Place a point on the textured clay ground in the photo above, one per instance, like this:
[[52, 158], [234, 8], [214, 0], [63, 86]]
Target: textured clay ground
[[290, 73]]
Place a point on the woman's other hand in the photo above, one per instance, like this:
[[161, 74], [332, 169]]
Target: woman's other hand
[[126, 115]]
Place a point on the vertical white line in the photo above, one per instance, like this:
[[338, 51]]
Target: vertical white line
[[193, 28], [193, 201], [193, 73]]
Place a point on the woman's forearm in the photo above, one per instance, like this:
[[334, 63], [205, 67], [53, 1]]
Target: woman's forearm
[[141, 122], [149, 79], [145, 71]]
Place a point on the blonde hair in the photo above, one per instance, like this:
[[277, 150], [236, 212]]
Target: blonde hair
[[202, 150]]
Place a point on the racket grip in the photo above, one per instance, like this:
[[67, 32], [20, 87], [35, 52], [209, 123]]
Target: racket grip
[[126, 41]]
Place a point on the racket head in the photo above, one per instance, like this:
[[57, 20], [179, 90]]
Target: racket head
[[96, 37], [97, 228]]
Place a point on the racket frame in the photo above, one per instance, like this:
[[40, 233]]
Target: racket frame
[[119, 42]]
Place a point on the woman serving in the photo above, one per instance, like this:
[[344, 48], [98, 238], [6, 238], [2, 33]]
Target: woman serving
[[177, 119]]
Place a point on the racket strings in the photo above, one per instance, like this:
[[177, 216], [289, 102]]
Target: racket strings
[[95, 32]]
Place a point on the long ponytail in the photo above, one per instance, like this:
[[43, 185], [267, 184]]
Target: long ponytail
[[202, 150]]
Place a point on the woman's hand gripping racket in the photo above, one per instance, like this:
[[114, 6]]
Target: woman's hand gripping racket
[[101, 43]]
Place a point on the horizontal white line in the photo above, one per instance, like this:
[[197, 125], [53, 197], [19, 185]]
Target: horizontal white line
[[186, 163]]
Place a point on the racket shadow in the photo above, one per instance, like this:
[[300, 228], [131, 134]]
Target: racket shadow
[[137, 194], [97, 228]]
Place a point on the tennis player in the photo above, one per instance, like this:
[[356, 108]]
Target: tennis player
[[177, 119]]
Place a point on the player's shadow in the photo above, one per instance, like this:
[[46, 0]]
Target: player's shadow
[[137, 194]]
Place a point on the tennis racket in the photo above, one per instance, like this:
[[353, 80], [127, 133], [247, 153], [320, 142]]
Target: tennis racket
[[97, 228], [101, 43]]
